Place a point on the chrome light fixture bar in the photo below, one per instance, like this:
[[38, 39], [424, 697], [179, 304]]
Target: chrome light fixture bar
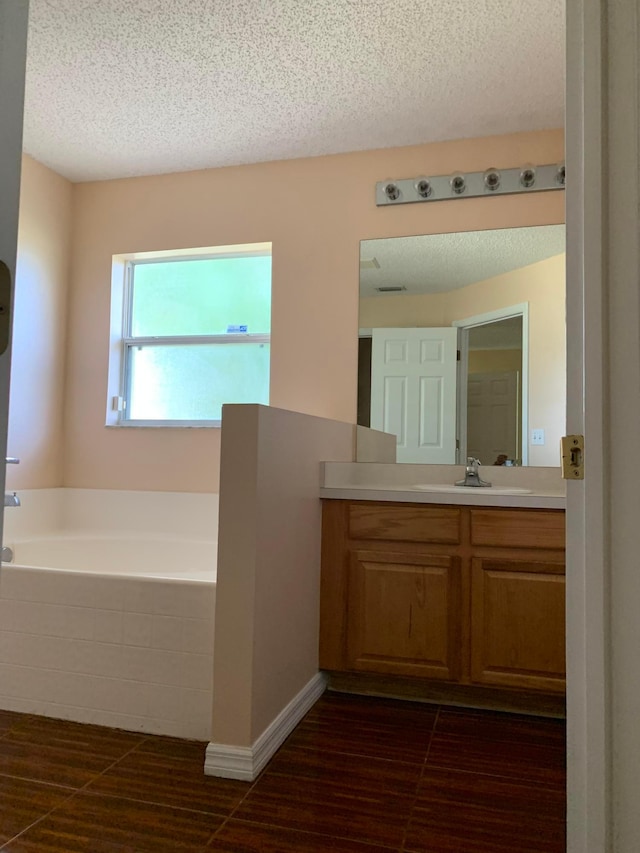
[[525, 179]]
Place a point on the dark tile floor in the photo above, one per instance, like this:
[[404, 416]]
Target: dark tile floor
[[358, 775]]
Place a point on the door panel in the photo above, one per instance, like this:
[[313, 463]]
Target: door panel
[[518, 624], [403, 614], [413, 391], [13, 48], [492, 416], [394, 397]]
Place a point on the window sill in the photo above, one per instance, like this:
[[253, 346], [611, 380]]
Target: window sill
[[165, 425]]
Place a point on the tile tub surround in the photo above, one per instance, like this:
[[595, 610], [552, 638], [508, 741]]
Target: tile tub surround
[[129, 652], [394, 482], [132, 653], [358, 775]]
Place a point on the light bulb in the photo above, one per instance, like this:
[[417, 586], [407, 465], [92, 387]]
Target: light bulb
[[492, 179], [392, 191], [528, 176], [423, 187], [458, 184]]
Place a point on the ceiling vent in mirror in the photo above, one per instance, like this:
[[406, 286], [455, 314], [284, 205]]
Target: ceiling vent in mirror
[[369, 264], [392, 288]]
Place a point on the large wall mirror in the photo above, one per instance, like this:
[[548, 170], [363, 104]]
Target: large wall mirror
[[462, 345]]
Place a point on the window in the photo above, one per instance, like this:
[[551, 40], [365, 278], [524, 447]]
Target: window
[[195, 335]]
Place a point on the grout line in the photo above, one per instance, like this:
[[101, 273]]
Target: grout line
[[420, 778], [362, 755], [171, 806], [37, 821], [433, 731], [289, 828], [229, 817], [65, 801], [144, 738], [333, 752], [514, 780], [37, 781], [138, 799]]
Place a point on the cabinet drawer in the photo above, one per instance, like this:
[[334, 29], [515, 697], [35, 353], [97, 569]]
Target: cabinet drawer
[[407, 523], [519, 528]]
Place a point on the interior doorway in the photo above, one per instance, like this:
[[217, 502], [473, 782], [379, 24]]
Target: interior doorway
[[493, 383]]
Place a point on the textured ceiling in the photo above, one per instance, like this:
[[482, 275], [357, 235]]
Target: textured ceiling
[[439, 262], [129, 87]]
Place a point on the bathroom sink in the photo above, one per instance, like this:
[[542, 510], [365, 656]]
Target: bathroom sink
[[490, 490]]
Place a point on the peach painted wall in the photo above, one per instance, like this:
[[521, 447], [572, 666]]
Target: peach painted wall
[[39, 329], [391, 311], [315, 212], [542, 285]]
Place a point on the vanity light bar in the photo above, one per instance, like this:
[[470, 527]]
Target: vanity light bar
[[526, 179]]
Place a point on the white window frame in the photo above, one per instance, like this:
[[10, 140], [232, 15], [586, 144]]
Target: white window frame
[[116, 409]]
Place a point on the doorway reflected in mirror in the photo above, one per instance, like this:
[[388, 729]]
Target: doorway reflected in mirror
[[462, 344], [494, 390]]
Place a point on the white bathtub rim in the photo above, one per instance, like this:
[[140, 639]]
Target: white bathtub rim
[[100, 533], [211, 581], [62, 536]]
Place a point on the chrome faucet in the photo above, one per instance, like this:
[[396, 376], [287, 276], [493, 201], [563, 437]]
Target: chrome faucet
[[9, 498], [471, 475]]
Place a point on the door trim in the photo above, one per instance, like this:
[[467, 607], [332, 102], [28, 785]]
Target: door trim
[[13, 56], [519, 310], [588, 617]]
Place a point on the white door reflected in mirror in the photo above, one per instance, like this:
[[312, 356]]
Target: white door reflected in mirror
[[413, 392], [505, 284]]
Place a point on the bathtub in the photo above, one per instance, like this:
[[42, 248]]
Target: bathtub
[[117, 555], [106, 619]]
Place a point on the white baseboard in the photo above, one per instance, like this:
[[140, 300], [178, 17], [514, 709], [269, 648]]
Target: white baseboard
[[246, 762]]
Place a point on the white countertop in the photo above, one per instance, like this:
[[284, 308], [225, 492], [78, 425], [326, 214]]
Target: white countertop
[[373, 481], [538, 499]]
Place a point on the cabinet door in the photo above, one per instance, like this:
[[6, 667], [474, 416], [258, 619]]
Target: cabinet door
[[404, 614], [518, 623]]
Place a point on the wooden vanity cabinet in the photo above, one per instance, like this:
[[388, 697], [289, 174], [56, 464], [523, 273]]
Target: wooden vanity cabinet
[[518, 598], [449, 594], [403, 614], [517, 623]]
